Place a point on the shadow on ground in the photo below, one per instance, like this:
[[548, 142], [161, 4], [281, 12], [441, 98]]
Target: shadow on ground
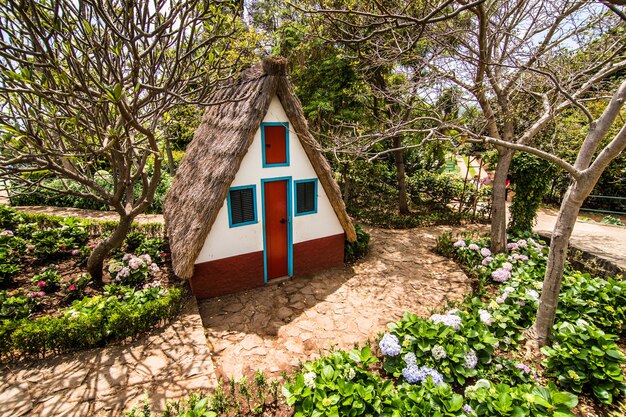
[[275, 327]]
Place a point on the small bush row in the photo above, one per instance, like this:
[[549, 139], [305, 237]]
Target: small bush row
[[93, 321]]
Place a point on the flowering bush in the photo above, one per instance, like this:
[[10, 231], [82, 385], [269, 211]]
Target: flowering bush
[[452, 344], [133, 270], [340, 385], [15, 306], [48, 280], [75, 287]]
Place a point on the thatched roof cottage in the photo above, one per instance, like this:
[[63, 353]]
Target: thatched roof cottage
[[254, 199]]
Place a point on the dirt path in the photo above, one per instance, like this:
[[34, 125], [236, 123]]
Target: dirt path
[[603, 240], [88, 214], [275, 327], [165, 364]]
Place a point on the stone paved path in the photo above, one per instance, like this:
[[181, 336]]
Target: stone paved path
[[166, 364], [275, 327]]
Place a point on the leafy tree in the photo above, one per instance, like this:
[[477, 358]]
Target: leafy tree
[[84, 85]]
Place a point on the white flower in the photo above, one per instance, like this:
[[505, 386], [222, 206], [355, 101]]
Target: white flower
[[485, 317], [509, 290], [351, 374], [309, 379], [507, 266], [533, 295]]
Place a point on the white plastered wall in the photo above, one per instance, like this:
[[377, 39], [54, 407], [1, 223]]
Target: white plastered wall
[[224, 241]]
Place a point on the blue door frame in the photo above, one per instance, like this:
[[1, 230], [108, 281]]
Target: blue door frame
[[289, 225]]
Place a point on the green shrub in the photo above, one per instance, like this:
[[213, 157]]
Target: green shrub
[[153, 247], [48, 280], [354, 251], [584, 358], [456, 344], [132, 270], [340, 384], [9, 218], [133, 240], [16, 306], [90, 322]]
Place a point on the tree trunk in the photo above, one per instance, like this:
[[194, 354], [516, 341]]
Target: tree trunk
[[398, 155], [95, 263], [556, 262], [170, 158], [346, 183], [498, 213]]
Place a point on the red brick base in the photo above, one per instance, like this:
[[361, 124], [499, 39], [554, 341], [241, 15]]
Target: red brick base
[[243, 272], [317, 255]]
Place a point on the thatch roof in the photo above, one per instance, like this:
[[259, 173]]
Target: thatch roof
[[214, 155]]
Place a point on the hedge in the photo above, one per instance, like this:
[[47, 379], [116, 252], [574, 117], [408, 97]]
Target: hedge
[[45, 335]]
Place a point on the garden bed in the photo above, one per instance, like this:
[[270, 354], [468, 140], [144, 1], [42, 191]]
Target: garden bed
[[48, 302]]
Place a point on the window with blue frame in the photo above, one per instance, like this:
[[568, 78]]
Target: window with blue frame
[[242, 205], [306, 197]]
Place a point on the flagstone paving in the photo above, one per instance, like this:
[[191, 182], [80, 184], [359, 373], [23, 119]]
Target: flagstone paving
[[166, 364], [275, 327]]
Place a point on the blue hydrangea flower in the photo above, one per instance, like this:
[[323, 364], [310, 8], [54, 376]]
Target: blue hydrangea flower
[[471, 360], [438, 352], [410, 359], [467, 409], [413, 374], [485, 317], [390, 345], [436, 376]]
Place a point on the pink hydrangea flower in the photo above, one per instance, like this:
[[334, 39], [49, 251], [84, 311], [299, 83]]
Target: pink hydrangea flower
[[6, 233], [42, 284], [71, 287], [75, 252]]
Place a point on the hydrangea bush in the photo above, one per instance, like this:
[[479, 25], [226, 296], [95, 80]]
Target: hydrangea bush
[[133, 270]]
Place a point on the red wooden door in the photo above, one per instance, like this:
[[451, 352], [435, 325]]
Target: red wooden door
[[276, 229]]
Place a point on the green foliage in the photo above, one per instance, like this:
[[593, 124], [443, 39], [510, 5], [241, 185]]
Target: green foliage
[[133, 240], [153, 247], [487, 399], [611, 220], [90, 322], [74, 288], [339, 385], [11, 247], [16, 306], [354, 251], [585, 358], [442, 347], [48, 280], [9, 218], [530, 179]]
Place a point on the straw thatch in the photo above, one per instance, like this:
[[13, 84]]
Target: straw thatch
[[219, 144]]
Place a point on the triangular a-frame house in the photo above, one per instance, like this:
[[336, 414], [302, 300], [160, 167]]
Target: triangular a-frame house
[[254, 199]]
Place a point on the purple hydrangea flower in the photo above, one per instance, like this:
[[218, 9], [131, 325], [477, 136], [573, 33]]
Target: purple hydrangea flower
[[502, 298], [500, 275], [508, 266], [487, 261], [485, 252], [451, 320], [471, 360], [6, 233], [436, 376], [523, 258], [154, 268], [512, 246], [459, 244], [522, 243], [524, 368], [390, 345], [473, 246], [467, 409]]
